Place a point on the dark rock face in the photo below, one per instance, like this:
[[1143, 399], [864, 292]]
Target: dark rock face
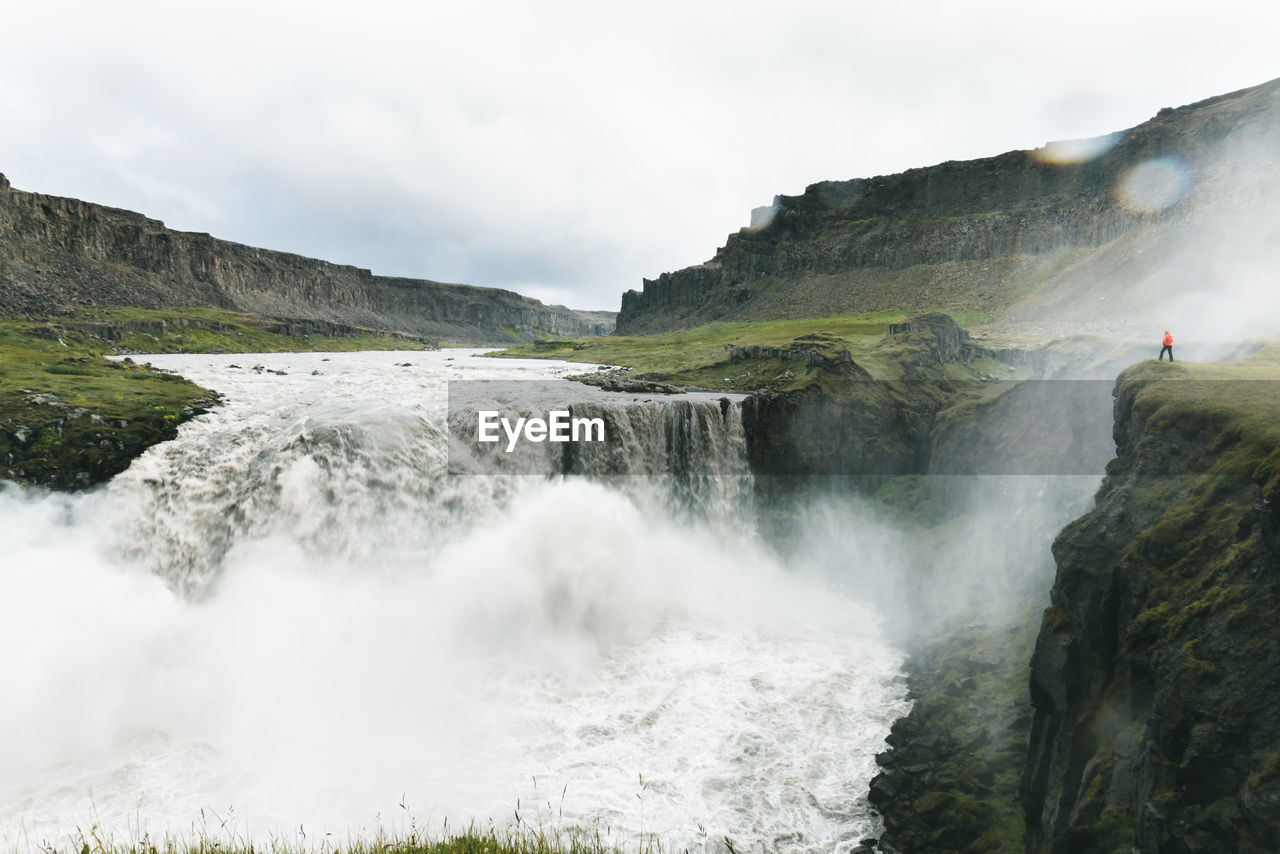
[[1050, 427], [847, 424], [57, 253], [980, 233], [942, 338], [948, 782], [1157, 668]]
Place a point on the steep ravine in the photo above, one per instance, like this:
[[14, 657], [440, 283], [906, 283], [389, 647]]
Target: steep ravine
[[1151, 722], [967, 477]]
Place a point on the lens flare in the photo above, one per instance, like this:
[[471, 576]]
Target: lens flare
[[1069, 151], [1154, 185]]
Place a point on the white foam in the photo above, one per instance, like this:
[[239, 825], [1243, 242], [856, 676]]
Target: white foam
[[290, 617]]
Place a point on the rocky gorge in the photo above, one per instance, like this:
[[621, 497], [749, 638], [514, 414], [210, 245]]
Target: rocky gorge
[[1122, 698], [1135, 711]]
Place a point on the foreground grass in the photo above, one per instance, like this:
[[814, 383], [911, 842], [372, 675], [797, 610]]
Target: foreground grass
[[472, 841], [521, 838]]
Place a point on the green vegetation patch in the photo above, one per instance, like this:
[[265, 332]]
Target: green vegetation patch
[[1211, 441], [700, 356], [69, 417]]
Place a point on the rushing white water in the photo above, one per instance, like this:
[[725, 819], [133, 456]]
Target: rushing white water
[[289, 620]]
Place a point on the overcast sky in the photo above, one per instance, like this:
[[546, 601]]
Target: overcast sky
[[565, 149]]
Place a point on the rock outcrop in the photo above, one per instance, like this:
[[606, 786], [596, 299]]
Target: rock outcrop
[[46, 441], [59, 253], [1028, 235], [927, 409], [949, 782]]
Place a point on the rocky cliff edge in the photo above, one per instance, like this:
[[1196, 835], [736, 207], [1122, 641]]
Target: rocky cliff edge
[[1157, 667]]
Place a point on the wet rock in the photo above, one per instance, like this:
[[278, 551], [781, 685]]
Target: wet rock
[[640, 387]]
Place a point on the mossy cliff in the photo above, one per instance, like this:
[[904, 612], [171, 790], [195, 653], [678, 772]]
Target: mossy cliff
[[1157, 669], [949, 783], [46, 441]]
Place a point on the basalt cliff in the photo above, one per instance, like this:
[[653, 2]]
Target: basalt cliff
[[1157, 668], [1142, 227], [59, 253]]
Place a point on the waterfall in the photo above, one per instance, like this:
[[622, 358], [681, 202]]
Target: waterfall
[[296, 613]]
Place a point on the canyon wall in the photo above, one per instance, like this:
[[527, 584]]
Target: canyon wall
[[1096, 232], [59, 253]]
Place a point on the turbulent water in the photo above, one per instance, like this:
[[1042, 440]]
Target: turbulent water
[[291, 621]]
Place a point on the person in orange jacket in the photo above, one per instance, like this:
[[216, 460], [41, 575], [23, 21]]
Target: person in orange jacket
[[1168, 346]]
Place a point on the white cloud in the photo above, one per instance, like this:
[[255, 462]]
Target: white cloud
[[564, 149]]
